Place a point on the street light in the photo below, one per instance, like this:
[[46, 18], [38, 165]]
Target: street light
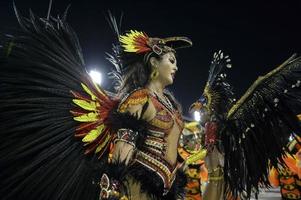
[[197, 116], [96, 76]]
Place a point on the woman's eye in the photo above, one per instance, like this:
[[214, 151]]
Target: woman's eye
[[172, 61]]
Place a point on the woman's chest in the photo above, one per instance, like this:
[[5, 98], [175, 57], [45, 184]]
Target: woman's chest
[[165, 119]]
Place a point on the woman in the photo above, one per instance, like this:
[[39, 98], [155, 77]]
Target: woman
[[61, 128], [152, 163]]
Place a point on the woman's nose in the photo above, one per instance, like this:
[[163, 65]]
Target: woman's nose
[[176, 68]]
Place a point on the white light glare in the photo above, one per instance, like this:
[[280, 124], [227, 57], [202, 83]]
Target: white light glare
[[291, 138], [96, 76], [197, 116]]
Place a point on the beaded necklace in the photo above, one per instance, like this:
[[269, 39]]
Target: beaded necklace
[[166, 102]]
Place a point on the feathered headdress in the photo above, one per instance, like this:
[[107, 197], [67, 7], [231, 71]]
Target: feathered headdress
[[135, 41], [138, 42], [136, 46]]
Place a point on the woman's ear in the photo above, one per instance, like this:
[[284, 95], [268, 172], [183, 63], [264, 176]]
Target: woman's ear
[[153, 61]]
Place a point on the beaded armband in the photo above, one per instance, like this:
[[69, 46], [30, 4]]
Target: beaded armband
[[216, 174], [127, 135]]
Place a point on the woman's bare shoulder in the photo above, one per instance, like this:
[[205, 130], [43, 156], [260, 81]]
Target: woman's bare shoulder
[[138, 104]]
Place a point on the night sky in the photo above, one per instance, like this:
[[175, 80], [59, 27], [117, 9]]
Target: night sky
[[258, 36]]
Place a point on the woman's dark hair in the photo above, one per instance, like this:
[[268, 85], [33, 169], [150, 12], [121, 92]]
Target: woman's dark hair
[[136, 74]]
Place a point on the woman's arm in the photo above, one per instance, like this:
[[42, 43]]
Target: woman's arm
[[125, 143]]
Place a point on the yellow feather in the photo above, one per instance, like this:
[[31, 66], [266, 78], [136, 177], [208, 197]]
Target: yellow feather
[[93, 134], [191, 125], [100, 147], [89, 117], [85, 104], [128, 40], [88, 91], [200, 155], [99, 89]]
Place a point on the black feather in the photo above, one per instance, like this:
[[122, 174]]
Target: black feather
[[39, 156], [258, 129], [221, 92]]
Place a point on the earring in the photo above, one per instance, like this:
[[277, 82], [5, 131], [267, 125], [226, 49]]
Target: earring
[[154, 74]]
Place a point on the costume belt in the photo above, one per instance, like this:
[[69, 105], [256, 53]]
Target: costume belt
[[160, 166]]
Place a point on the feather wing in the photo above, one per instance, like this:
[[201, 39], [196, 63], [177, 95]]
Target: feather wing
[[258, 126], [42, 79], [218, 95]]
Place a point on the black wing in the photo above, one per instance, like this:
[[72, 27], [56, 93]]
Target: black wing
[[40, 158], [258, 126], [218, 95]]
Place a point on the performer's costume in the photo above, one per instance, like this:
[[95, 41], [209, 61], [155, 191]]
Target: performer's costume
[[253, 131], [149, 166], [196, 172], [58, 127], [288, 176], [288, 181]]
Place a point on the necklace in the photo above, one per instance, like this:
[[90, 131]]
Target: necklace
[[166, 102]]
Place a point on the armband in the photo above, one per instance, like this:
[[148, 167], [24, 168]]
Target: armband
[[127, 135]]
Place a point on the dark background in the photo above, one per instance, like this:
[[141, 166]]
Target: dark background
[[257, 35]]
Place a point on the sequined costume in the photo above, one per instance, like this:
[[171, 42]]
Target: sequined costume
[[153, 153], [150, 159]]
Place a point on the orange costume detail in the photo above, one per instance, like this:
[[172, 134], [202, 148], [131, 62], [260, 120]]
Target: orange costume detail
[[288, 177], [195, 174], [288, 181]]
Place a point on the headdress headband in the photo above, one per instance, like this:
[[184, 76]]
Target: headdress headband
[[139, 42]]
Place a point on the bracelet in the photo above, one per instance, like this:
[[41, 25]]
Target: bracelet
[[215, 178], [216, 174], [127, 135], [218, 168]]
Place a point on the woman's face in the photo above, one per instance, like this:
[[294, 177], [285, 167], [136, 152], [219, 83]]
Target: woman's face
[[167, 68]]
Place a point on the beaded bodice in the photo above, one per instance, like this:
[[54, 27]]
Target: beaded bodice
[[152, 153]]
